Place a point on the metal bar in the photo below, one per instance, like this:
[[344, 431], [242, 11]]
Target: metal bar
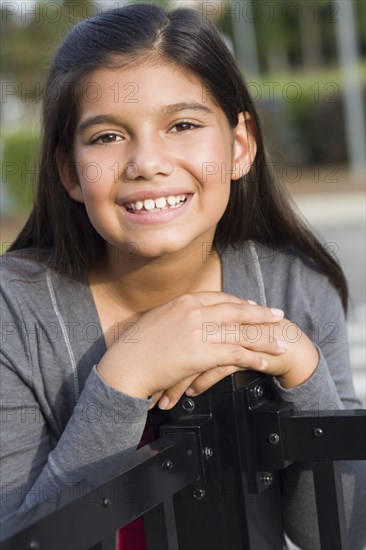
[[219, 512], [210, 482], [352, 87], [315, 437], [244, 36], [107, 544], [160, 527], [330, 506], [171, 528], [278, 435], [153, 474], [155, 529]]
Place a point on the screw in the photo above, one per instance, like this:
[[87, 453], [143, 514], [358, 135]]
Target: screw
[[168, 465], [34, 544], [207, 452], [266, 478], [274, 439], [318, 432], [258, 391], [188, 404], [106, 502], [199, 493]]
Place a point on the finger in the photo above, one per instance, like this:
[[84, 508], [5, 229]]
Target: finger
[[277, 365], [156, 398], [172, 395], [257, 337], [235, 355], [209, 298], [209, 378], [244, 313]]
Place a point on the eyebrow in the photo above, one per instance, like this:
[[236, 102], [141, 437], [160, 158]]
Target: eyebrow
[[176, 107], [98, 119], [166, 110]]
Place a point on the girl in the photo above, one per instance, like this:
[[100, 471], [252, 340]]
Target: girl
[[156, 219]]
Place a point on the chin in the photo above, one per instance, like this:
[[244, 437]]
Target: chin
[[160, 249], [160, 252]]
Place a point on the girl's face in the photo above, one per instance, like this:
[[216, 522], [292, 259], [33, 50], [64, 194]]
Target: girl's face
[[153, 157]]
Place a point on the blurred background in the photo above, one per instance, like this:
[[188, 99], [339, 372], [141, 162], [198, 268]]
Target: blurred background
[[305, 66]]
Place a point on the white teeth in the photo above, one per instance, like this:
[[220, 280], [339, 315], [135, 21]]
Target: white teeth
[[161, 202], [158, 204], [149, 204]]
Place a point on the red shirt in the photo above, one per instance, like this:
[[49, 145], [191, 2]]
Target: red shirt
[[132, 537]]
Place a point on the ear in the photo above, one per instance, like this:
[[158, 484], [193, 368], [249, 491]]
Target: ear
[[244, 148], [67, 173]]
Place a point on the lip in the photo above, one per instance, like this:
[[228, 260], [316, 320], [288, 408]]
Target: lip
[[152, 194], [152, 218]]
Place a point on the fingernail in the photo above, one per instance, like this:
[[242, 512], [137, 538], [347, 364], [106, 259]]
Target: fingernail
[[282, 345], [252, 302], [277, 312], [164, 403], [264, 364], [190, 391]]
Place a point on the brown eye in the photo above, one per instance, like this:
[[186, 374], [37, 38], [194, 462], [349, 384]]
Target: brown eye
[[107, 138], [184, 126]]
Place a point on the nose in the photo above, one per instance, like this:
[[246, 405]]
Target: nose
[[149, 158]]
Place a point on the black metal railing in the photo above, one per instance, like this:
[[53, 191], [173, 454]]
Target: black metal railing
[[210, 481]]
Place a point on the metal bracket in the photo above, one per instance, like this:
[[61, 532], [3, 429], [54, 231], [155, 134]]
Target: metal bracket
[[193, 417]]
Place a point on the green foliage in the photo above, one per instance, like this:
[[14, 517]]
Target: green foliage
[[20, 167]]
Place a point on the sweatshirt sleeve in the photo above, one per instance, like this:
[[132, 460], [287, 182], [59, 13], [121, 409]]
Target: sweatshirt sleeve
[[35, 465], [330, 388]]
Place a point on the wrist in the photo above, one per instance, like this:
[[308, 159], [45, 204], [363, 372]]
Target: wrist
[[122, 383], [301, 372]]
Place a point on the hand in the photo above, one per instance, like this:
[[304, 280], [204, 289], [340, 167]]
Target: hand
[[299, 362], [179, 340], [292, 368]]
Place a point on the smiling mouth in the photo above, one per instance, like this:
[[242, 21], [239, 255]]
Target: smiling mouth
[[156, 205]]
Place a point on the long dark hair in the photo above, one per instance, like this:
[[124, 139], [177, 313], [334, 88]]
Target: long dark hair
[[259, 207]]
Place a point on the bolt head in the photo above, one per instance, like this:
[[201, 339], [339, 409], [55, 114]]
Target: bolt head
[[34, 544], [207, 452], [274, 439], [168, 465], [199, 493], [188, 404], [266, 478], [258, 391], [318, 432], [106, 502]]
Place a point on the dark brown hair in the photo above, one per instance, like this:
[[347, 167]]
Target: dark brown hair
[[259, 207]]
